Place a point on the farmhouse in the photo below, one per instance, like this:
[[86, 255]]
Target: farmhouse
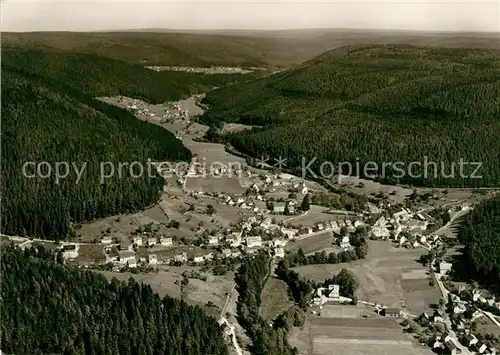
[[392, 312], [279, 207], [137, 241], [127, 258]]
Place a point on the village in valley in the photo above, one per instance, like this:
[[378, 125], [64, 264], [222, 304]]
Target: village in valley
[[217, 210]]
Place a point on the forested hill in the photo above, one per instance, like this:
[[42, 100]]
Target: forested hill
[[100, 76], [480, 233], [375, 103], [49, 115], [50, 308]]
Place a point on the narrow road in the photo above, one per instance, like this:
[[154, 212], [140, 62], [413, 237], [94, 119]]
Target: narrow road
[[295, 217], [224, 320], [447, 320], [314, 233]]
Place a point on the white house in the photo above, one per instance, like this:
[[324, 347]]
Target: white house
[[181, 257], [279, 252], [213, 240], [166, 242], [198, 259], [127, 258], [153, 259], [137, 241], [459, 309], [266, 223], [106, 239], [482, 348], [254, 242], [280, 243], [334, 291], [345, 244], [226, 253]]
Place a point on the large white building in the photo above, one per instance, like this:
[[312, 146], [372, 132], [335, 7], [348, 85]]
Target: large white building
[[254, 242]]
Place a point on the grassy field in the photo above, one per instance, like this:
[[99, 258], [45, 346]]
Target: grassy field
[[318, 242], [198, 292], [381, 277], [274, 298], [356, 103], [347, 335]]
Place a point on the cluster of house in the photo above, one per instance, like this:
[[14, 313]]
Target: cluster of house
[[144, 239], [173, 112], [490, 301], [151, 241], [231, 245], [211, 70], [405, 228], [329, 294], [446, 343], [336, 227]]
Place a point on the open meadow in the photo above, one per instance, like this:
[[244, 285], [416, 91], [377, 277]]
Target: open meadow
[[354, 330], [385, 277]]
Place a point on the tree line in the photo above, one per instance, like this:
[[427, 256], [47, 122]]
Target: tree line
[[266, 340], [48, 307], [479, 232], [367, 105], [47, 121]]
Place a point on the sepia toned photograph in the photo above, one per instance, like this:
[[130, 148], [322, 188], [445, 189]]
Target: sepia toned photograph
[[250, 177]]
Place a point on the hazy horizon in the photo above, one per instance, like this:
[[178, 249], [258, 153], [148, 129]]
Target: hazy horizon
[[204, 15]]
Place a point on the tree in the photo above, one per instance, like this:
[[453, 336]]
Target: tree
[[210, 210], [305, 205], [147, 323]]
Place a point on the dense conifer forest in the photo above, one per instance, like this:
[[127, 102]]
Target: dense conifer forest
[[375, 103], [480, 234], [50, 308], [250, 280], [99, 76], [49, 114], [45, 120]]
